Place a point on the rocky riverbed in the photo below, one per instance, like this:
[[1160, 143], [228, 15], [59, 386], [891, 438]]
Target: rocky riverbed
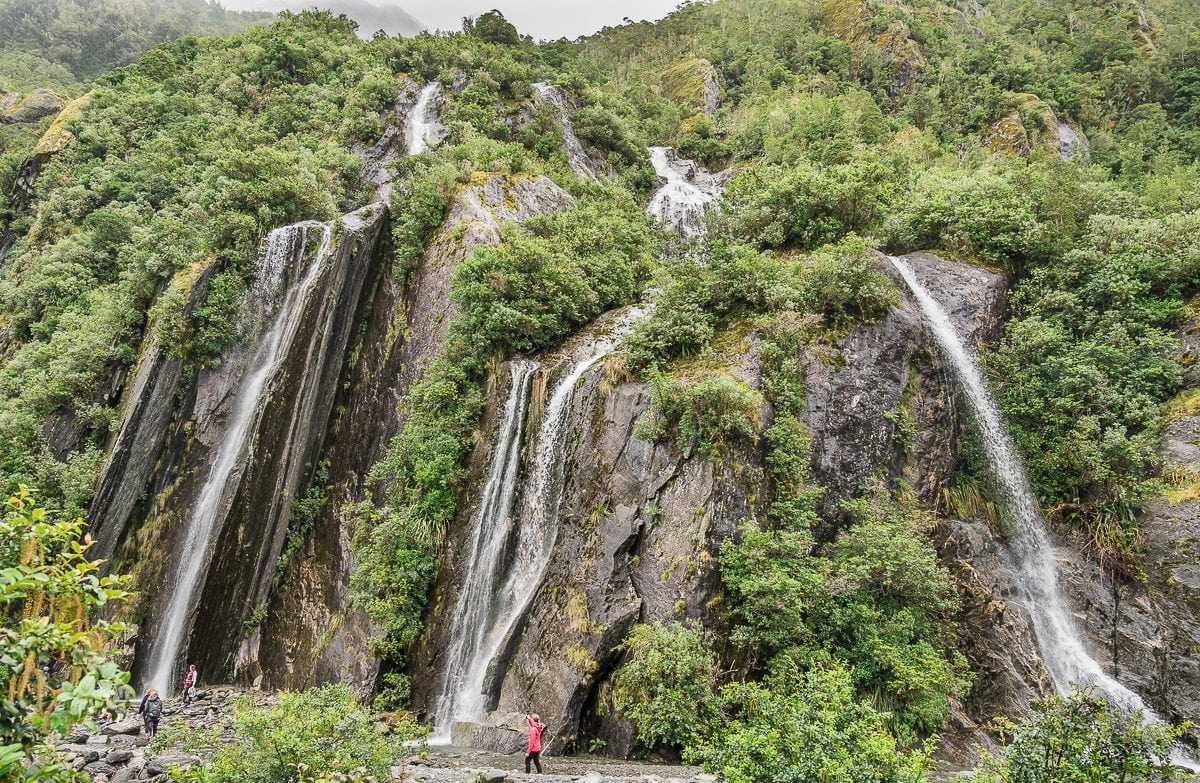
[[118, 751]]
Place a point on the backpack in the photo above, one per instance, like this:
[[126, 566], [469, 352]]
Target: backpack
[[154, 708]]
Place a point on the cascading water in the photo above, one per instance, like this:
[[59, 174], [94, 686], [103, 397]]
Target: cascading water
[[281, 304], [1062, 649], [420, 130], [580, 163], [474, 608], [492, 601], [688, 193]]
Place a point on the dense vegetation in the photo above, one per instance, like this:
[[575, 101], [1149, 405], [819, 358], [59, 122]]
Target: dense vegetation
[[61, 44], [851, 126]]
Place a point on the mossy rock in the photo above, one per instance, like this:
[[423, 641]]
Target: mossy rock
[[37, 105], [692, 81], [57, 137]]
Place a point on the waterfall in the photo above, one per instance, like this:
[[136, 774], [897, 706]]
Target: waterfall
[[474, 610], [1062, 648], [492, 600], [421, 129], [282, 304], [581, 164], [687, 194]]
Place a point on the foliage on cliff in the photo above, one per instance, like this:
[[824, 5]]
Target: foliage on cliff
[[58, 44]]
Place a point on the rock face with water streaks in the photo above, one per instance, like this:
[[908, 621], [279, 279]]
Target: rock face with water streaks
[[641, 523], [171, 428], [311, 634]]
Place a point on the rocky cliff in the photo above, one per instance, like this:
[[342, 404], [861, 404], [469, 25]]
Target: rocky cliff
[[172, 427], [311, 634]]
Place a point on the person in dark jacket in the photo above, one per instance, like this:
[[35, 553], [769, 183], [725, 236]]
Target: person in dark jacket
[[534, 754], [151, 711]]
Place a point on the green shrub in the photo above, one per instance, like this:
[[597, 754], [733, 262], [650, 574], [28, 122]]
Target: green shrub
[[705, 414], [667, 685], [801, 727], [1079, 737], [312, 735], [50, 593]]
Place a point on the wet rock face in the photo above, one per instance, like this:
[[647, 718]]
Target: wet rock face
[[888, 374], [312, 635], [169, 438], [640, 527], [642, 524], [1148, 634]]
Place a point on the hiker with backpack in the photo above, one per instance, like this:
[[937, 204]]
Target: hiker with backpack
[[151, 711]]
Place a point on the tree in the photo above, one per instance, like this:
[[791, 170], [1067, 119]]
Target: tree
[[492, 27], [55, 666]]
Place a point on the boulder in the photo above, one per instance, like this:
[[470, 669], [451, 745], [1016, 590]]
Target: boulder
[[123, 726], [38, 105], [163, 762], [97, 768], [118, 756]]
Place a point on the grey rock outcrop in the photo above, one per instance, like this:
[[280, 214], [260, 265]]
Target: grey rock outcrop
[[312, 634], [641, 523], [33, 107], [563, 106]]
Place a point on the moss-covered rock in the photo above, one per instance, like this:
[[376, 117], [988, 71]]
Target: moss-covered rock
[[692, 82], [33, 107]]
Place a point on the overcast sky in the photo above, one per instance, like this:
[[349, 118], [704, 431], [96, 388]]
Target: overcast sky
[[543, 19]]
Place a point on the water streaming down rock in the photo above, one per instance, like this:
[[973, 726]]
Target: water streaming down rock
[[421, 130], [483, 580], [498, 587], [270, 294], [1033, 557], [581, 163], [688, 193]]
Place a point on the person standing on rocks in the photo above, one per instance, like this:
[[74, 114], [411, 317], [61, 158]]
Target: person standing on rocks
[[151, 711], [189, 684], [534, 754]]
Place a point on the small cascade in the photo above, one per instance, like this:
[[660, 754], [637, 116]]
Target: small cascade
[[273, 296], [421, 130], [687, 194], [1062, 648], [496, 593], [580, 162]]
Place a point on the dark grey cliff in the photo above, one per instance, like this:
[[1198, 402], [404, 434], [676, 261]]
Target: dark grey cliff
[[312, 634], [171, 427]]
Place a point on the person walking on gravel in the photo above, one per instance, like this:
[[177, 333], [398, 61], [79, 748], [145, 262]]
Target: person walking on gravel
[[151, 711], [534, 754]]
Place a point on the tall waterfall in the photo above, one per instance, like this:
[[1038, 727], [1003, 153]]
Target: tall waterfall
[[510, 552], [688, 193], [474, 610], [420, 130], [1062, 649], [281, 303]]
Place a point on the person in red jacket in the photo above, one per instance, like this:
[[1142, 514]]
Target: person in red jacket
[[534, 754]]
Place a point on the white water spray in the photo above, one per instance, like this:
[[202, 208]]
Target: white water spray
[[493, 601], [421, 129], [475, 607], [1062, 649], [688, 193], [174, 625]]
